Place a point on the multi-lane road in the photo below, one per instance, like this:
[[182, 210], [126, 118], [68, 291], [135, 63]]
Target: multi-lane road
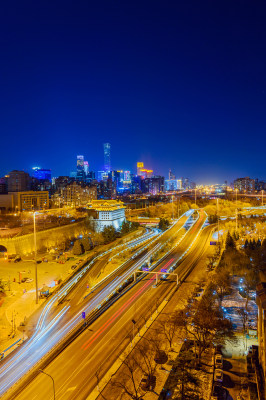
[[103, 341], [58, 320]]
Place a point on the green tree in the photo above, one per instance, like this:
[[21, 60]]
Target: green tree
[[163, 224], [213, 219], [229, 243], [2, 287], [125, 228], [86, 244], [109, 234], [77, 248]]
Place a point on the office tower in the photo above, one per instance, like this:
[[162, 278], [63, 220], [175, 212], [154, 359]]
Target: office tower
[[140, 166], [127, 176], [80, 168], [86, 167], [42, 174], [171, 175], [107, 157], [18, 181]]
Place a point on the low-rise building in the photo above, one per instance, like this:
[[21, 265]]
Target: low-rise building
[[106, 212], [24, 201]]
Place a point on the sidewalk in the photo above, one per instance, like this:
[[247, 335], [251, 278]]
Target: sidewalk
[[235, 368]]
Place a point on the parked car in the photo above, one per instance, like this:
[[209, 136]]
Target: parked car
[[148, 382], [218, 375], [218, 361], [17, 259], [26, 280], [74, 266], [145, 383], [218, 392]]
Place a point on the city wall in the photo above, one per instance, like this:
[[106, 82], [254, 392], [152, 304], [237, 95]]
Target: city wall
[[46, 239]]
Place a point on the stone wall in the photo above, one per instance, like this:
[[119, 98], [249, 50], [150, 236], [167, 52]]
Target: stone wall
[[45, 239]]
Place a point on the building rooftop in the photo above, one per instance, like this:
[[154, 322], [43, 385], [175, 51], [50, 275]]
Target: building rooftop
[[106, 205]]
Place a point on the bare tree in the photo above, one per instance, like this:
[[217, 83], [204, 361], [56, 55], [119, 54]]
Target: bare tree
[[168, 327], [140, 363], [221, 283]]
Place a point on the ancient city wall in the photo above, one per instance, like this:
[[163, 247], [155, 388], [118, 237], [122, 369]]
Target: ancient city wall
[[45, 239]]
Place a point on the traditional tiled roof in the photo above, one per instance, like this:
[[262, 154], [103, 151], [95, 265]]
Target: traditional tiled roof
[[106, 205]]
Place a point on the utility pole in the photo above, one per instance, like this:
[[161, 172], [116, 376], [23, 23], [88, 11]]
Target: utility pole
[[172, 207], [195, 196]]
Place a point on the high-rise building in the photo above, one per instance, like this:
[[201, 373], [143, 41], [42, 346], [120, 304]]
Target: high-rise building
[[42, 174], [86, 167], [140, 165], [80, 168], [18, 181], [245, 184], [107, 157], [173, 184], [127, 176], [171, 175]]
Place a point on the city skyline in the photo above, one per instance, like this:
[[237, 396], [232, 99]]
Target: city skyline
[[182, 87]]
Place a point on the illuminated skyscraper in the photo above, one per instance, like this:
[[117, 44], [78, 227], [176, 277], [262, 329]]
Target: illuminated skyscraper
[[86, 167], [107, 157], [80, 168], [140, 165]]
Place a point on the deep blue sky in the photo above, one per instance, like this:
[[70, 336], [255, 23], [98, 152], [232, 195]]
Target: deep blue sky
[[176, 84]]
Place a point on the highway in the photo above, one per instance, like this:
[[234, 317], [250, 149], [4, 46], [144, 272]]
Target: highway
[[102, 342], [57, 321]]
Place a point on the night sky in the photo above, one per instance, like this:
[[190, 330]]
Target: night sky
[[176, 84]]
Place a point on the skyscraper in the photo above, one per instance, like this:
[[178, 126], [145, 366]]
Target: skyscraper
[[140, 165], [86, 167], [107, 157], [80, 168]]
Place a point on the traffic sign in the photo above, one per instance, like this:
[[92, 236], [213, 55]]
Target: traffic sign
[[83, 314], [213, 243], [145, 269], [163, 270]]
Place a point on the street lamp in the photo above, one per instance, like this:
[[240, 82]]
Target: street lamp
[[218, 218], [179, 197], [35, 257], [195, 196], [45, 373], [236, 193]]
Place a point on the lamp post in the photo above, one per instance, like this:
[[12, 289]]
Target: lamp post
[[195, 196], [35, 256], [179, 197], [45, 373], [172, 207], [218, 218], [236, 194]]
